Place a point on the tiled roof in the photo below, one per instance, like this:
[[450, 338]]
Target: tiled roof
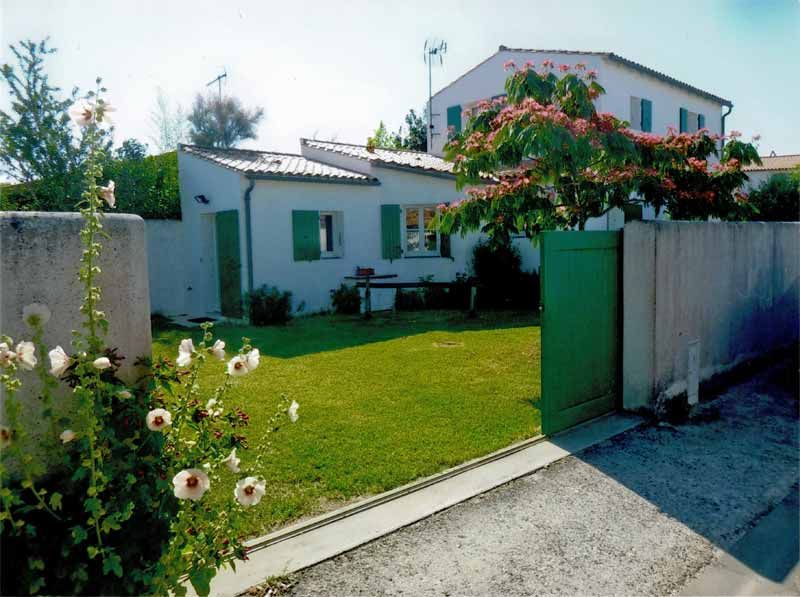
[[402, 158], [775, 162], [615, 58], [269, 164]]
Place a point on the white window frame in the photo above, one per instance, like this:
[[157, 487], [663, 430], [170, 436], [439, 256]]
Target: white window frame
[[337, 219], [421, 228]]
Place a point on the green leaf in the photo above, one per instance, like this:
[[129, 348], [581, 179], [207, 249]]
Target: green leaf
[[112, 563], [79, 534], [201, 580], [92, 552], [55, 501]]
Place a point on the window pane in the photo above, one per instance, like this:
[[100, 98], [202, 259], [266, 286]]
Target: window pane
[[429, 213], [412, 240], [430, 241], [326, 232], [412, 218]]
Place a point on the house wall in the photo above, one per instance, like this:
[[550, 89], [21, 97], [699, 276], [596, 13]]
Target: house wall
[[620, 82], [166, 265], [224, 189], [731, 286]]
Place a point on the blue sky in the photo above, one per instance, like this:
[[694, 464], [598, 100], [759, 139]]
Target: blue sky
[[337, 68]]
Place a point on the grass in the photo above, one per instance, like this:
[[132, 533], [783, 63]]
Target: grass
[[382, 402]]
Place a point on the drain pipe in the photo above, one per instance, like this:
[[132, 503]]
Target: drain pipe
[[724, 116], [248, 234]]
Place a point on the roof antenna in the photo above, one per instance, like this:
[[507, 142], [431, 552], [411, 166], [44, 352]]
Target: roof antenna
[[434, 50], [218, 81]]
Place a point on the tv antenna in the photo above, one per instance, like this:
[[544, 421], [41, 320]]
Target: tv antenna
[[218, 81], [434, 51]]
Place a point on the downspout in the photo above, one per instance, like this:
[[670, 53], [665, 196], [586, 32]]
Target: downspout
[[724, 116], [248, 233]]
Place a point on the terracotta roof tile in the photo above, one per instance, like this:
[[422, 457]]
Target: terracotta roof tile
[[775, 162], [269, 164], [389, 157]]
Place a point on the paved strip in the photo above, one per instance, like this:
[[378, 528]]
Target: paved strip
[[641, 514], [321, 542]]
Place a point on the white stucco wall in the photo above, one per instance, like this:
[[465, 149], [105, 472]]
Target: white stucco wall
[[620, 82], [731, 286], [167, 267], [272, 203]]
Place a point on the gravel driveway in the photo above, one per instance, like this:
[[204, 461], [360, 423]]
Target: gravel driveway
[[639, 514]]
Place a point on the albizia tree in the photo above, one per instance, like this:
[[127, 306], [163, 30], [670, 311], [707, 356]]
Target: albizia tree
[[546, 159]]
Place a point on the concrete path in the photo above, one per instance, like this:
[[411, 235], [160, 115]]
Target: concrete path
[[641, 514]]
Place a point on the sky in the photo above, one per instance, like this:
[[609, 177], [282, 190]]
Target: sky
[[334, 69]]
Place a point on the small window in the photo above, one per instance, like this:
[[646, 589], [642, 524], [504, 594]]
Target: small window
[[418, 237], [330, 234], [636, 113]]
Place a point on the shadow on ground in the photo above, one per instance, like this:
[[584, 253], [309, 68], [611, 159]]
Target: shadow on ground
[[314, 334], [723, 472]]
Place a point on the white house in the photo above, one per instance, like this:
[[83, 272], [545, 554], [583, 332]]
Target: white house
[[650, 100], [771, 165], [304, 222]]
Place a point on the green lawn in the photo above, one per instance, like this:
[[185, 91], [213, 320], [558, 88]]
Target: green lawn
[[381, 402]]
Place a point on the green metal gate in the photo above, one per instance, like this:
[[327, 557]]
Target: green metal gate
[[580, 290], [229, 263]]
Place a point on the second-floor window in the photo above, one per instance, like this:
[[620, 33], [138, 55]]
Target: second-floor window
[[641, 114]]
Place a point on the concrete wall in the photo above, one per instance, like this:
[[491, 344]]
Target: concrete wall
[[731, 286], [39, 260], [167, 266]]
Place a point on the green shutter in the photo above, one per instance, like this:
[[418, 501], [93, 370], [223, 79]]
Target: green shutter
[[454, 118], [229, 264], [684, 120], [647, 116], [390, 232], [701, 122], [305, 235]]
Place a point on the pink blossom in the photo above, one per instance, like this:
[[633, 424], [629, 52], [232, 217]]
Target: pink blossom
[[509, 65], [735, 134], [591, 75], [564, 67], [548, 63]]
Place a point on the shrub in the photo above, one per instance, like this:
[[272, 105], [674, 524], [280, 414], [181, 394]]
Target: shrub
[[777, 199], [346, 300], [409, 300], [269, 305], [501, 283]]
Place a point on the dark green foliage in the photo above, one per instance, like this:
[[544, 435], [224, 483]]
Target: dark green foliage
[[453, 296], [346, 300], [409, 299], [131, 149], [268, 306], [222, 121], [147, 187], [416, 135], [777, 199], [501, 283]]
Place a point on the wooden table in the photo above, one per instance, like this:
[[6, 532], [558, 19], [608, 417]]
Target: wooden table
[[367, 294]]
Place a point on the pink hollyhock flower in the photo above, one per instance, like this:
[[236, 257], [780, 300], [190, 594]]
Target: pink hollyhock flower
[[190, 484], [218, 350]]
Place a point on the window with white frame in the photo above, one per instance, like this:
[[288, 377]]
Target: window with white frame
[[330, 234], [418, 239]]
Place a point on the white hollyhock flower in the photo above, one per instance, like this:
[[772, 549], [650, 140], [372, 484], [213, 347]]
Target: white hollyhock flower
[[237, 366], [101, 363], [190, 484], [214, 412], [124, 394], [249, 491], [107, 193], [232, 462], [185, 351], [25, 355], [218, 350], [292, 411], [6, 354], [81, 113], [104, 113], [35, 314], [67, 436], [59, 361], [158, 419], [252, 358], [5, 436]]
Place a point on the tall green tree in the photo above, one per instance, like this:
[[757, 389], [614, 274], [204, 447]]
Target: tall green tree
[[222, 121], [415, 135], [37, 142], [131, 149]]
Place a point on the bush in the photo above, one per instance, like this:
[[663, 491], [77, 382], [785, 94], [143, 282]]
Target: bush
[[346, 300], [502, 284], [777, 199], [409, 300], [268, 306]]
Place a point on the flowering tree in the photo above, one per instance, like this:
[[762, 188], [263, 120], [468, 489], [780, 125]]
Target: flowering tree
[[545, 158], [125, 511]]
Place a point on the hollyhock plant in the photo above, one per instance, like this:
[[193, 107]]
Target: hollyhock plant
[[142, 497], [547, 140]]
